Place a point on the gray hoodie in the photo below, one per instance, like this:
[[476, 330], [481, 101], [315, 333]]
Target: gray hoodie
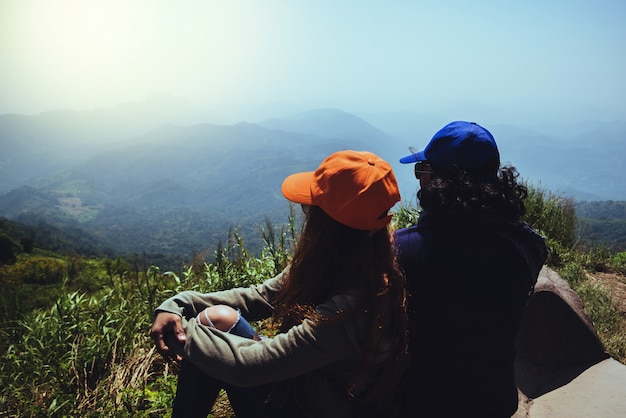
[[319, 362]]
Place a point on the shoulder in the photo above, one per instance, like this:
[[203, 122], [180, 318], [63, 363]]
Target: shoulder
[[410, 241], [528, 242], [338, 304], [275, 283], [343, 315], [404, 236]]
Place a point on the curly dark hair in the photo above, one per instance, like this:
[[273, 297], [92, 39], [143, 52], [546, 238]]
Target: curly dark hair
[[463, 194], [331, 258]]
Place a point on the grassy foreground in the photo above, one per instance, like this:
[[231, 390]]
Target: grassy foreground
[[88, 352]]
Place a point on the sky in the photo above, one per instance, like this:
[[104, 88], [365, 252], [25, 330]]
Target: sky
[[535, 57]]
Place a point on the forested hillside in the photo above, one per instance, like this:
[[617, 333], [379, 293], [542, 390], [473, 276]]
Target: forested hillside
[[178, 190], [603, 222]]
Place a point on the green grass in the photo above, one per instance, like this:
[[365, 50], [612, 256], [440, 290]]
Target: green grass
[[89, 354], [606, 317]]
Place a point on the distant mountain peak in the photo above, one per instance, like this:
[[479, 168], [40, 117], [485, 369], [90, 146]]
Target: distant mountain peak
[[328, 122]]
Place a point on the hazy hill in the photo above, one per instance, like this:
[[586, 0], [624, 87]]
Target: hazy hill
[[331, 123], [157, 177], [180, 188], [586, 161], [33, 146]]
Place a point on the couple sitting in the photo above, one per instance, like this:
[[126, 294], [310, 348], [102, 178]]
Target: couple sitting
[[374, 322]]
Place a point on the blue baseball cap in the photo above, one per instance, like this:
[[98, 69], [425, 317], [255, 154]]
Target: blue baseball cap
[[461, 146]]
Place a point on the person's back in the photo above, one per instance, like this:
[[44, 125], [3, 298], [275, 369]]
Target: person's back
[[468, 286], [470, 267]]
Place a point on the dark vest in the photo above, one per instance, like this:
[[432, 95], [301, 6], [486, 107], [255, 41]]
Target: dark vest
[[469, 283]]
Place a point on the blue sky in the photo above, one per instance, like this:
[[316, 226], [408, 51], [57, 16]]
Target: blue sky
[[550, 57]]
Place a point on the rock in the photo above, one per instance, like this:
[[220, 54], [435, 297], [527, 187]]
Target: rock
[[562, 369]]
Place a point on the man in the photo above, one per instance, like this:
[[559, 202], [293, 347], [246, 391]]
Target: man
[[471, 266]]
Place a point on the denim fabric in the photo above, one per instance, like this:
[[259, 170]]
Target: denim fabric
[[196, 391], [243, 328]]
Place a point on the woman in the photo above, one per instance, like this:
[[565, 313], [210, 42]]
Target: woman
[[340, 306]]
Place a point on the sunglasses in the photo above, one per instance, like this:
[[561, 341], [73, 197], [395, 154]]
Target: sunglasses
[[421, 167]]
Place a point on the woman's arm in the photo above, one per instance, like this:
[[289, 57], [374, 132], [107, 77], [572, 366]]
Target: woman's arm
[[244, 362], [255, 302], [167, 329]]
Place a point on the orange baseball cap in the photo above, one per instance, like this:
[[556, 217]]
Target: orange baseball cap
[[355, 188]]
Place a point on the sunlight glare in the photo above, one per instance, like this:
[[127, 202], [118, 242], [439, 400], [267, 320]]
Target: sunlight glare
[[91, 51], [86, 40]]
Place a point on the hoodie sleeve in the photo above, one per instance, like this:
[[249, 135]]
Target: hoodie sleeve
[[255, 302], [244, 362]]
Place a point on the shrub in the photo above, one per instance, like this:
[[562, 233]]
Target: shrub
[[558, 255], [618, 262], [8, 249], [30, 283], [55, 359], [35, 270], [574, 274], [595, 258], [552, 215], [606, 318], [405, 216]]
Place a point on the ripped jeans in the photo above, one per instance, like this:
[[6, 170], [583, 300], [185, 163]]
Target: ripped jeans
[[240, 327], [196, 391]]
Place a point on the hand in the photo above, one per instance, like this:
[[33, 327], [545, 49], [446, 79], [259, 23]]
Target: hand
[[164, 324]]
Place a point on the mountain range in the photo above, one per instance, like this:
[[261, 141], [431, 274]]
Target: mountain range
[[165, 177]]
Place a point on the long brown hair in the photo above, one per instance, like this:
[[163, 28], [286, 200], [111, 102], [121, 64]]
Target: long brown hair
[[331, 258]]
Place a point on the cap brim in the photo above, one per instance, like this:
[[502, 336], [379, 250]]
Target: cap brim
[[297, 188], [413, 158]]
